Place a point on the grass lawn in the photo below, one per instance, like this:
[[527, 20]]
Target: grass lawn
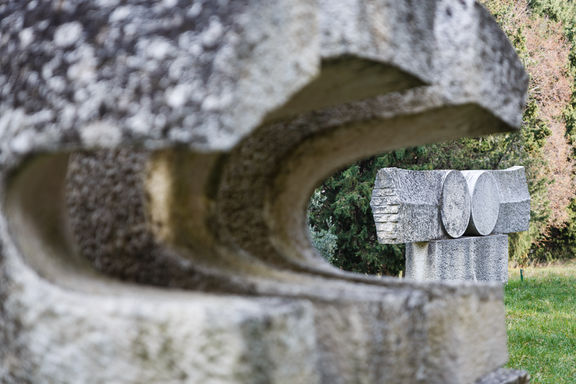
[[541, 320]]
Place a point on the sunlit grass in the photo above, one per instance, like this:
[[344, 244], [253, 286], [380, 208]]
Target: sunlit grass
[[541, 320]]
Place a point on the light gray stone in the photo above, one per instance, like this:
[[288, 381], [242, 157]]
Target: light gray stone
[[405, 203], [505, 376], [145, 71], [482, 258], [378, 310], [419, 205], [455, 204], [485, 202], [514, 213], [405, 208], [179, 252]]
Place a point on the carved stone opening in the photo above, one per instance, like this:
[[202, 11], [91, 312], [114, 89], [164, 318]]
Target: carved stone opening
[[210, 123]]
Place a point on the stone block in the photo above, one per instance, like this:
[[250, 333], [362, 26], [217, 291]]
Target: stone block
[[482, 258], [419, 205], [514, 213], [485, 202], [412, 206], [505, 376]]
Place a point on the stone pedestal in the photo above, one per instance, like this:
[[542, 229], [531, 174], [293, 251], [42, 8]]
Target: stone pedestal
[[467, 258]]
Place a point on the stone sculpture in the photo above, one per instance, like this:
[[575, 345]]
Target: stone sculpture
[[431, 210], [156, 160]]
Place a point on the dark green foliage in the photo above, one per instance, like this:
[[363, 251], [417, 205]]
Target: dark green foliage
[[344, 210], [558, 243], [323, 237]]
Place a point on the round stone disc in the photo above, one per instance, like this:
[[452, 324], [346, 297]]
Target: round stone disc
[[485, 205], [455, 204]]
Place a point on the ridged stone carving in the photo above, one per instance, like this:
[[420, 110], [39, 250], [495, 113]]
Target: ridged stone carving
[[480, 204]]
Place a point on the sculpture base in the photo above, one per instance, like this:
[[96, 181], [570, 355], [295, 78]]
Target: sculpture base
[[468, 258], [505, 376]]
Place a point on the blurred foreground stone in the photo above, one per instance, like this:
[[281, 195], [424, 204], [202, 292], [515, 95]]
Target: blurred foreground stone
[[156, 161]]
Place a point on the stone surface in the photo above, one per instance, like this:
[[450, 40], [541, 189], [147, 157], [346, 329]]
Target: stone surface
[[419, 205], [178, 251], [423, 207], [143, 71], [485, 202], [454, 204], [468, 258], [427, 205], [514, 213], [505, 376]]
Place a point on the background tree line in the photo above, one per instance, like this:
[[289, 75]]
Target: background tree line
[[544, 35]]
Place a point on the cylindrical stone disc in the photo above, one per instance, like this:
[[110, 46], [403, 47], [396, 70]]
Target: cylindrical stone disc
[[485, 203], [455, 204]]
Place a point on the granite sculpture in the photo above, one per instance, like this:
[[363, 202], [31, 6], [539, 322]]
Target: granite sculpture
[[156, 160], [431, 210]]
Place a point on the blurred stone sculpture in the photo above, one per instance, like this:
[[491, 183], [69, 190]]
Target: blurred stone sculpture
[[156, 160], [431, 210]]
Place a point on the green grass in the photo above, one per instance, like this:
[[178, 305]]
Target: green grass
[[541, 321]]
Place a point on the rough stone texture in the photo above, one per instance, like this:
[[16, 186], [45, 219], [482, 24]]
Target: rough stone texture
[[454, 204], [485, 202], [468, 258], [505, 376], [419, 205], [205, 74], [413, 206], [423, 207], [178, 252], [514, 213]]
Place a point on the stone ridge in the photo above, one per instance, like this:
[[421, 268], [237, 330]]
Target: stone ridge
[[94, 75]]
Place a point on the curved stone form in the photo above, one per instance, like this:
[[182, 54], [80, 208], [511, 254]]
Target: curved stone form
[[205, 74], [178, 252], [485, 202], [454, 204], [411, 206]]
